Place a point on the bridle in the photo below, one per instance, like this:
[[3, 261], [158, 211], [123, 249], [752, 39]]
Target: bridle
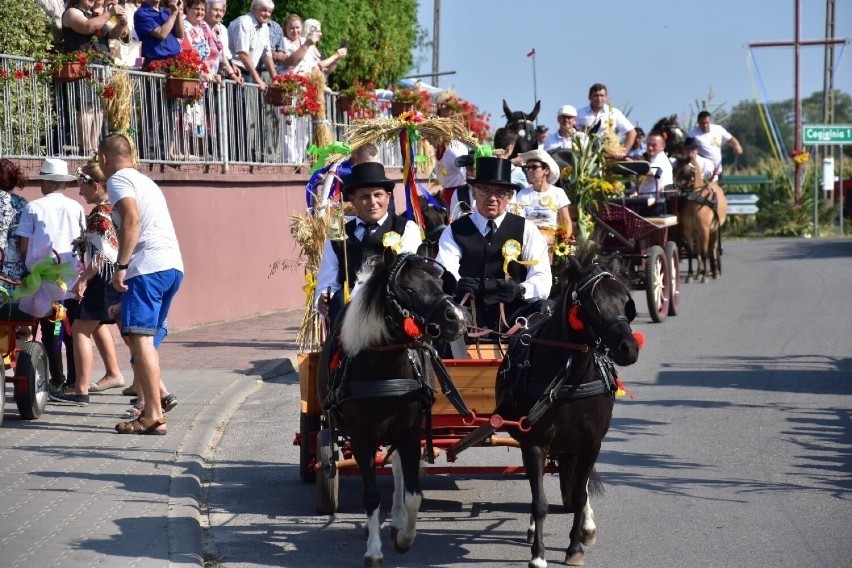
[[398, 303], [582, 296]]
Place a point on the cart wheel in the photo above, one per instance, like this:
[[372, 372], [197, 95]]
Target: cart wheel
[[31, 397], [657, 284], [673, 260], [327, 479], [308, 427]]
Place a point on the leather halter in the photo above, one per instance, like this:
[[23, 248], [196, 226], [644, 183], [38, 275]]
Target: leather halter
[[582, 293], [393, 298]]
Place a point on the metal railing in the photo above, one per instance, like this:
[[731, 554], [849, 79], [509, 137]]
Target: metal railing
[[230, 124]]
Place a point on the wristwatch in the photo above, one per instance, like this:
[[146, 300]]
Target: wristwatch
[[122, 266]]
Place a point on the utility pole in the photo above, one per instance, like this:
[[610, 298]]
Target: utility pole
[[797, 100], [828, 76], [436, 41]]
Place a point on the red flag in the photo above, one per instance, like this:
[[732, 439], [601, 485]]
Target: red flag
[[531, 53]]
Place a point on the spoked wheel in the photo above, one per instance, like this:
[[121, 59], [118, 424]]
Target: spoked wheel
[[31, 397], [657, 284], [308, 427], [673, 260], [327, 478]]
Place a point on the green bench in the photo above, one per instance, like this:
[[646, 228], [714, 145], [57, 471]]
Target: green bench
[[758, 180], [744, 203]]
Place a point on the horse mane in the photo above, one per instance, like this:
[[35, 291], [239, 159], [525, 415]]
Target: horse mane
[[364, 323], [587, 253], [665, 123]]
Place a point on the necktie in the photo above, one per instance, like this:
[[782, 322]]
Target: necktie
[[492, 228], [368, 229]]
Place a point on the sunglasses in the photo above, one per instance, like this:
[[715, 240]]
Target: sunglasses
[[532, 167], [82, 176]]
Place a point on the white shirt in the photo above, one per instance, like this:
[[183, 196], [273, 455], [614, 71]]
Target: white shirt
[[539, 279], [575, 141], [649, 183], [446, 171], [157, 246], [612, 120], [710, 143], [328, 269], [222, 33], [246, 35], [51, 222], [541, 207]]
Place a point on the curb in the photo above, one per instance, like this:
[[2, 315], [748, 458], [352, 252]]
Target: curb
[[187, 474]]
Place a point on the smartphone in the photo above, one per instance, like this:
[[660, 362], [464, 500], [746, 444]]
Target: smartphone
[[344, 43]]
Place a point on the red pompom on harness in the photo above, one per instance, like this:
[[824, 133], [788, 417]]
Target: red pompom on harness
[[411, 329], [574, 319]]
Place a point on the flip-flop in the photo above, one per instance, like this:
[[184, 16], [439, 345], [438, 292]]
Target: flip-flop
[[144, 426]]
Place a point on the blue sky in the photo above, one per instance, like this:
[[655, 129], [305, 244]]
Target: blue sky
[[657, 57]]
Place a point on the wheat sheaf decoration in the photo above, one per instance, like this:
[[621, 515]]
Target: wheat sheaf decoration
[[119, 107]]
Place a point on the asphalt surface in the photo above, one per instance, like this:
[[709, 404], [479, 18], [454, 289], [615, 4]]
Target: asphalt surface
[[734, 452]]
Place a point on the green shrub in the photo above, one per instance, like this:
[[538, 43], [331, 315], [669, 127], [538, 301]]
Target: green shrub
[[24, 29]]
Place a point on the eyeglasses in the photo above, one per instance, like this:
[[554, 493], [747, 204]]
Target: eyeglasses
[[531, 167], [82, 176], [498, 193]]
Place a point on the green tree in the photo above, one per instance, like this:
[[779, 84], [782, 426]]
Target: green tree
[[745, 123], [24, 29], [381, 34]]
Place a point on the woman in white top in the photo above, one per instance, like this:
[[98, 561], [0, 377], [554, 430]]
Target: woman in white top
[[544, 204], [300, 47]]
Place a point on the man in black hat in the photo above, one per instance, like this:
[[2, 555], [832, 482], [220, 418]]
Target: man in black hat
[[369, 191], [690, 152], [475, 248], [540, 136]]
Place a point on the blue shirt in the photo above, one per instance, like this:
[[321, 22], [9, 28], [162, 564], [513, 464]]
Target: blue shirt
[[145, 20]]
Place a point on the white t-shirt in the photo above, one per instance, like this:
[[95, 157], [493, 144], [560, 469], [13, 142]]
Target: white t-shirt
[[710, 143], [157, 246], [51, 222], [555, 141], [612, 120], [650, 184], [541, 207]]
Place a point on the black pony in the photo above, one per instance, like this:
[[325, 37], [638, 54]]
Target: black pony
[[375, 377], [672, 133], [435, 218], [558, 379], [523, 124]]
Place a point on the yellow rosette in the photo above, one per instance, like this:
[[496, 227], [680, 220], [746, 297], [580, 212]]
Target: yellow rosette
[[512, 253], [392, 240], [547, 201]]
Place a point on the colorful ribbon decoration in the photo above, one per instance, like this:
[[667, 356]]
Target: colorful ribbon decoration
[[413, 190], [323, 152], [310, 285], [511, 253], [46, 269], [483, 151]]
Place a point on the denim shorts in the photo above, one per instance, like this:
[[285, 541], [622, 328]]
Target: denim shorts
[[145, 304]]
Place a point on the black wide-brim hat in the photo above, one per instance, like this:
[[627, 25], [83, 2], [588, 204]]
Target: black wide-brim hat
[[368, 174], [494, 171]]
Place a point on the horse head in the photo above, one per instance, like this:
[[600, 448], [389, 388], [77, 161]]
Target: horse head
[[401, 298], [684, 173], [523, 124], [672, 133], [598, 306]]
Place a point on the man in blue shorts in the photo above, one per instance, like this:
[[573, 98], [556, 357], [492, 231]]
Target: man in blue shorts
[[149, 270]]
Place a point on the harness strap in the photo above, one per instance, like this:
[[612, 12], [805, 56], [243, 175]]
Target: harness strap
[[380, 387], [549, 395], [585, 390], [448, 387]]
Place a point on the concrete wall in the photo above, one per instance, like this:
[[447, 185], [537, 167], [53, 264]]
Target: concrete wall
[[231, 227]]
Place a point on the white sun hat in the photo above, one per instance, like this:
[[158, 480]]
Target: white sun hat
[[54, 169]]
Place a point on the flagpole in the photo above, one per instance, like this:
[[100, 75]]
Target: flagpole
[[535, 81]]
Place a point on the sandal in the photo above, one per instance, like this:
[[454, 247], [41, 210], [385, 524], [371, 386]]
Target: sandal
[[105, 384], [145, 426], [168, 402], [135, 411]]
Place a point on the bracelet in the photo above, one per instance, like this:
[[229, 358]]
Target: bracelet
[[122, 266]]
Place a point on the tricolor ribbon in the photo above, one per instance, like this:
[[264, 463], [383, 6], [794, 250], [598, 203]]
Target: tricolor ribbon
[[413, 190]]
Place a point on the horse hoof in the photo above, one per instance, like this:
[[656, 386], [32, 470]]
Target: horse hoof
[[576, 559], [372, 562], [590, 538], [400, 549]]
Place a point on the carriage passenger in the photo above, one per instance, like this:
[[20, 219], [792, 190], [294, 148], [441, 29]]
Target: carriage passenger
[[657, 179], [612, 121], [369, 191], [705, 166], [477, 247], [567, 136], [545, 204]]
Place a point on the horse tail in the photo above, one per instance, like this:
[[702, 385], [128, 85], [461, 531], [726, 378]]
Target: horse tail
[[596, 486]]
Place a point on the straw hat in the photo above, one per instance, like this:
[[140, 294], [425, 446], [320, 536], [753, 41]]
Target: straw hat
[[544, 158]]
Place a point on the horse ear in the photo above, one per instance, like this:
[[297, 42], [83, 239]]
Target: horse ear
[[389, 256], [595, 127], [423, 250], [535, 110], [506, 109]]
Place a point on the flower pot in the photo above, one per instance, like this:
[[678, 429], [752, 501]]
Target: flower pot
[[344, 103], [276, 96], [444, 111], [70, 71], [399, 107], [180, 88]]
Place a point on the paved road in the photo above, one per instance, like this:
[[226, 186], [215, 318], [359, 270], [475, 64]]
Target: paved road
[[734, 453]]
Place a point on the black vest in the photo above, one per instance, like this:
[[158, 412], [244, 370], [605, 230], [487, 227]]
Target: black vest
[[356, 252], [73, 41], [481, 259]]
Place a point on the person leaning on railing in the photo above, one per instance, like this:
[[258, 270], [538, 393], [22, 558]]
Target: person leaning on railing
[[213, 17]]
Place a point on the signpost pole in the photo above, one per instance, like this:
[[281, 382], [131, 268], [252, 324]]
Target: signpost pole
[[841, 191], [816, 197]]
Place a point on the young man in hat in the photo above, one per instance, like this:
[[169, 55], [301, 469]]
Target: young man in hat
[[540, 136], [369, 191], [52, 223], [705, 166], [475, 248], [567, 136]]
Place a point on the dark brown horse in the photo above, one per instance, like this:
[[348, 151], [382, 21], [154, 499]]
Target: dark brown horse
[[522, 123], [375, 376], [703, 210], [559, 379], [672, 133]]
